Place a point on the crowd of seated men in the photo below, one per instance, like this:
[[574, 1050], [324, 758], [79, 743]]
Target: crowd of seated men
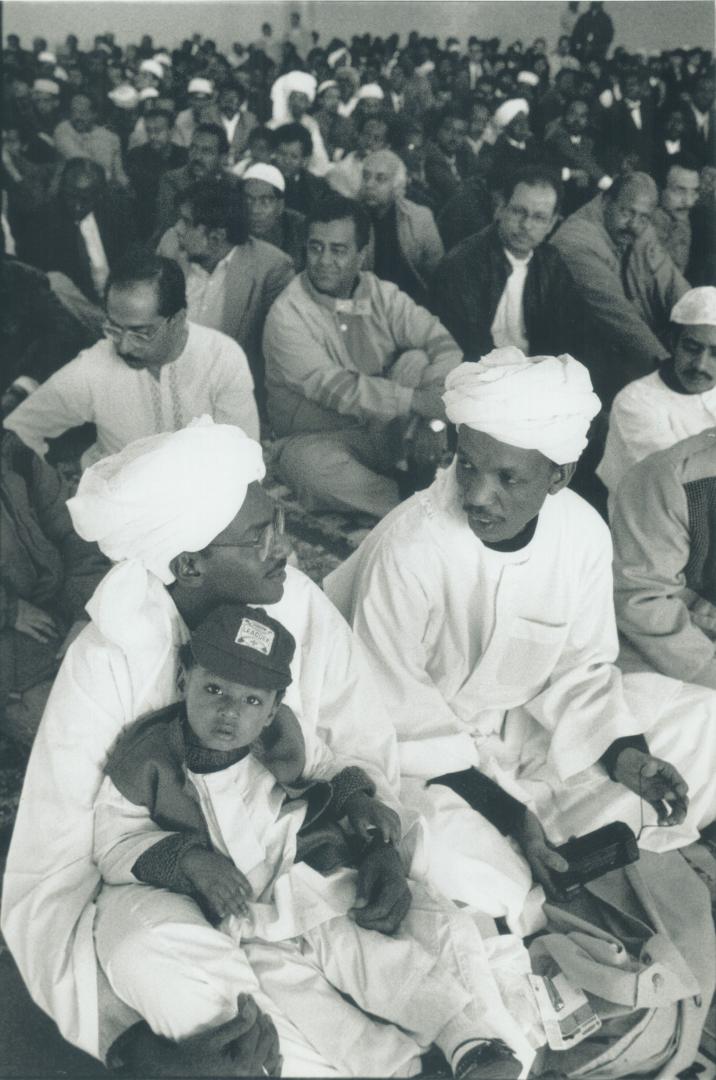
[[442, 282]]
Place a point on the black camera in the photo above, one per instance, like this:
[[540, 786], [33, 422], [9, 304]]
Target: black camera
[[595, 854]]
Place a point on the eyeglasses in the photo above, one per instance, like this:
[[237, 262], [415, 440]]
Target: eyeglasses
[[264, 542], [139, 337]]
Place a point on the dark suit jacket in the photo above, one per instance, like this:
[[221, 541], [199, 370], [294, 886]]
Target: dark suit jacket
[[621, 137], [145, 169], [305, 191], [57, 244], [703, 149], [508, 159], [441, 179], [470, 280]]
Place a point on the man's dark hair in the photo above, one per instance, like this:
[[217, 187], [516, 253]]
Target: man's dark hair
[[163, 113], [361, 118], [290, 133], [140, 265], [338, 208], [681, 161], [217, 205], [450, 112], [217, 131], [261, 132], [533, 176], [77, 166], [582, 101]]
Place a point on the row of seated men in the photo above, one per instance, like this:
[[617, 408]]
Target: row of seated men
[[483, 607]]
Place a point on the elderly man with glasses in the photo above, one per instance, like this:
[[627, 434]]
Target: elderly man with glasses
[[152, 372]]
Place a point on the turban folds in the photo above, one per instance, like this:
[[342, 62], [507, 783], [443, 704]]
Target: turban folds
[[268, 173], [508, 110], [166, 494], [293, 82], [697, 307], [543, 403]]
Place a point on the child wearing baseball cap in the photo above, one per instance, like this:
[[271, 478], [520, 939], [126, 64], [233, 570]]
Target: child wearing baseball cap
[[214, 773]]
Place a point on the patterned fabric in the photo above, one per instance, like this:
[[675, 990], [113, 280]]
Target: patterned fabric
[[347, 783], [701, 568]]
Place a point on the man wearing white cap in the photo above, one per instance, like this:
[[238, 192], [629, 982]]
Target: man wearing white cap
[[267, 216], [201, 108], [672, 403], [664, 532], [150, 75], [183, 517], [291, 96], [485, 604]]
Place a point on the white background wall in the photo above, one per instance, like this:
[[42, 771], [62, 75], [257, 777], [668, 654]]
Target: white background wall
[[647, 24]]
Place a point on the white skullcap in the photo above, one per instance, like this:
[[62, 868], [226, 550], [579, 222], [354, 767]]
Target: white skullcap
[[326, 85], [268, 173], [125, 96], [61, 74], [46, 58], [508, 110], [528, 78], [293, 81], [148, 92], [370, 90], [200, 86], [697, 307], [163, 58], [153, 67], [337, 54], [166, 494], [543, 403], [46, 86]]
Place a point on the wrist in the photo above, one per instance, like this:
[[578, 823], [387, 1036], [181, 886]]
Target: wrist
[[629, 760]]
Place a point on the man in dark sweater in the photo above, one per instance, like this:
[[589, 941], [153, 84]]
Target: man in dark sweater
[[505, 286], [147, 164]]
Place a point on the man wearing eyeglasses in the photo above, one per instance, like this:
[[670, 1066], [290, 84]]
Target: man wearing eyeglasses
[[152, 372]]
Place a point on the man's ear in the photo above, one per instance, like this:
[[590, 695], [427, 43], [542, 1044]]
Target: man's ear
[[188, 569], [562, 476]]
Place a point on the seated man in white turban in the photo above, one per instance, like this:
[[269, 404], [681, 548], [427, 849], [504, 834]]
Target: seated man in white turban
[[674, 402], [353, 368], [485, 604], [189, 528], [291, 96], [663, 525], [152, 371]]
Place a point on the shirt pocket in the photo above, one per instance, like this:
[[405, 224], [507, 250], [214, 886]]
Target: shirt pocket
[[531, 652]]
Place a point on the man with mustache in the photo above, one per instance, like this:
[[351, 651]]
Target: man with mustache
[[485, 605], [185, 520], [674, 402], [626, 281], [151, 372]]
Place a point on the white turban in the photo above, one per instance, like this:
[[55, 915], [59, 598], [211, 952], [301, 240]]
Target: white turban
[[337, 55], [46, 86], [370, 90], [543, 403], [268, 173], [124, 96], [166, 494], [46, 58], [697, 307], [198, 86], [294, 81], [528, 78], [508, 110], [147, 93], [153, 67], [326, 85], [163, 58]]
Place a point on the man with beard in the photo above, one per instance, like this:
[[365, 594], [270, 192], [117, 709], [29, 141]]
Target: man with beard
[[208, 151]]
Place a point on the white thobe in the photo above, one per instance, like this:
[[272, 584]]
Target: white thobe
[[210, 376], [107, 680], [413, 979], [505, 662], [508, 326], [648, 416]]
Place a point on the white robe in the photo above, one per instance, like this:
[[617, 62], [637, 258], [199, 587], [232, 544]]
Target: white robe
[[648, 416], [505, 661], [413, 978], [106, 681]]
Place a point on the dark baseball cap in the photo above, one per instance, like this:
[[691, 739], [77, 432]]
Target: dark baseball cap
[[243, 644]]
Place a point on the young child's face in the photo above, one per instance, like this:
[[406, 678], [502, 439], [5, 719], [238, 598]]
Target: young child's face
[[226, 715]]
